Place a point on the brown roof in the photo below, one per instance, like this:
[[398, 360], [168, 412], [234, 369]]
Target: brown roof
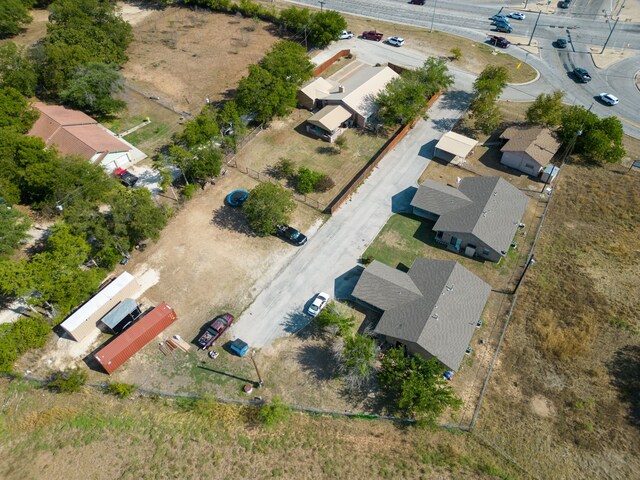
[[539, 142], [73, 132]]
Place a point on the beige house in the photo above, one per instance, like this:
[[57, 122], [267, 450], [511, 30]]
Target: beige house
[[454, 146], [528, 149], [355, 94]]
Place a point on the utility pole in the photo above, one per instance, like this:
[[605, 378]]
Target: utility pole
[[255, 365], [534, 27], [433, 15], [530, 261], [609, 37], [321, 2]]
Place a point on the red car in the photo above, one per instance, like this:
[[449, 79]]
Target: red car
[[218, 326], [372, 35]]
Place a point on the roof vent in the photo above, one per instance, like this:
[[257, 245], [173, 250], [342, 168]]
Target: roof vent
[[341, 89], [435, 315], [450, 287]]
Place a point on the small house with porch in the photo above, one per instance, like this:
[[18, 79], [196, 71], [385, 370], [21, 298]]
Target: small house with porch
[[528, 149]]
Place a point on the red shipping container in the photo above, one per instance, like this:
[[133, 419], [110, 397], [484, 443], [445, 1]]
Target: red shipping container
[[129, 342]]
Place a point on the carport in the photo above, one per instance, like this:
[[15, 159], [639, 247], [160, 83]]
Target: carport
[[121, 316], [453, 145]]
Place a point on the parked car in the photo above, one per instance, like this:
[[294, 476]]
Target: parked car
[[561, 43], [504, 28], [498, 16], [372, 35], [609, 99], [503, 22], [417, 2], [395, 41], [517, 15], [346, 35], [237, 198], [213, 332], [291, 235], [318, 304], [126, 178], [500, 42], [239, 347], [564, 4], [582, 75]]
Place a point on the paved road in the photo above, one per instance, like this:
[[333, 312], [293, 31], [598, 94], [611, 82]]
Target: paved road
[[328, 262], [583, 24]]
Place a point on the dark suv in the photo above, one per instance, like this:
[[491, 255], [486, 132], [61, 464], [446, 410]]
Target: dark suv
[[500, 42], [417, 2], [291, 235], [564, 4], [582, 75]]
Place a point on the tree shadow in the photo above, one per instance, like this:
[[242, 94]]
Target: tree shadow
[[318, 361], [456, 100], [444, 124], [232, 219], [624, 369], [298, 323]]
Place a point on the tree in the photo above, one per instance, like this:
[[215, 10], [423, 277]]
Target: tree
[[325, 27], [331, 319], [268, 205], [358, 360], [206, 164], [68, 381], [265, 94], [294, 19], [434, 74], [416, 385], [135, 217], [202, 129], [307, 180], [485, 114], [91, 89], [14, 15], [486, 90], [15, 111], [18, 337], [13, 228], [289, 62], [491, 81], [17, 69], [546, 109]]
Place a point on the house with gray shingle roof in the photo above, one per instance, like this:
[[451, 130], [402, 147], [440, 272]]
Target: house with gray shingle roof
[[432, 309], [479, 218]]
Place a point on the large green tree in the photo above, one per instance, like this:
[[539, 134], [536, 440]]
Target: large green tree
[[13, 228], [547, 109], [416, 385], [15, 111], [486, 90], [92, 87], [289, 62], [265, 94], [295, 20], [268, 204], [358, 360], [14, 15], [325, 27], [135, 217], [17, 69]]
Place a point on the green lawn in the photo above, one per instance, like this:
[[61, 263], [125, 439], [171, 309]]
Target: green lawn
[[149, 134]]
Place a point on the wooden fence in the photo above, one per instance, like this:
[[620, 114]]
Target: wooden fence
[[322, 67]]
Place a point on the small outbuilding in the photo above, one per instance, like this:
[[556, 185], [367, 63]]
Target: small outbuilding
[[454, 146], [528, 149], [121, 316], [328, 123]]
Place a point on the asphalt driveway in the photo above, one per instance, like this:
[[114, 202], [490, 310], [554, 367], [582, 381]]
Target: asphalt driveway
[[328, 262]]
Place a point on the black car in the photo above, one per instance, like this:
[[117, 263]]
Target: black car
[[561, 43], [417, 2], [128, 179], [500, 42], [291, 235], [582, 75], [564, 4]]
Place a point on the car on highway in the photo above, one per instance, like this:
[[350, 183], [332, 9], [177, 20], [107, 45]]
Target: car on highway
[[500, 42], [503, 22], [291, 235], [395, 41], [237, 198], [561, 43], [372, 35], [417, 2], [517, 15], [582, 75], [218, 326], [318, 304], [346, 35], [609, 99], [564, 3], [498, 16], [504, 28]]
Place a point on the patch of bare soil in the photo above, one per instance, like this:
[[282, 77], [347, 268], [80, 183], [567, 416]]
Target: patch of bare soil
[[542, 406], [185, 56]]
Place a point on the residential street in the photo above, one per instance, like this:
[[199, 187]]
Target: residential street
[[335, 249]]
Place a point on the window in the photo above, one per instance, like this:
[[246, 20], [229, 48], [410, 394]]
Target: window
[[530, 166], [485, 251]]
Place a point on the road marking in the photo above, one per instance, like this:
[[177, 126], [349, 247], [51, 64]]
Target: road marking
[[629, 122]]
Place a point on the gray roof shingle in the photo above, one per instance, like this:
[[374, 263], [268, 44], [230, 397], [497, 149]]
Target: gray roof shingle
[[441, 319], [492, 214]]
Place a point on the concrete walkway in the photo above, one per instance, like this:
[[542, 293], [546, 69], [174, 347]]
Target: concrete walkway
[[328, 262]]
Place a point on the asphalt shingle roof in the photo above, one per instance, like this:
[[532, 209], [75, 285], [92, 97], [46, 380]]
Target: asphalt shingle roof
[[492, 215], [538, 142], [441, 319]]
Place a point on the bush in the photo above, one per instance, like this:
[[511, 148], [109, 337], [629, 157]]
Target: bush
[[16, 338], [456, 53], [285, 168], [325, 183], [121, 390], [275, 412], [307, 180], [332, 320], [68, 381], [189, 191]]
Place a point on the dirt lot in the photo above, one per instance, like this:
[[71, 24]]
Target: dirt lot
[[185, 56]]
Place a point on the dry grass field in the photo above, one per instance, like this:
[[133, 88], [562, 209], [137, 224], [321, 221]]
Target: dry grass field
[[94, 435]]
